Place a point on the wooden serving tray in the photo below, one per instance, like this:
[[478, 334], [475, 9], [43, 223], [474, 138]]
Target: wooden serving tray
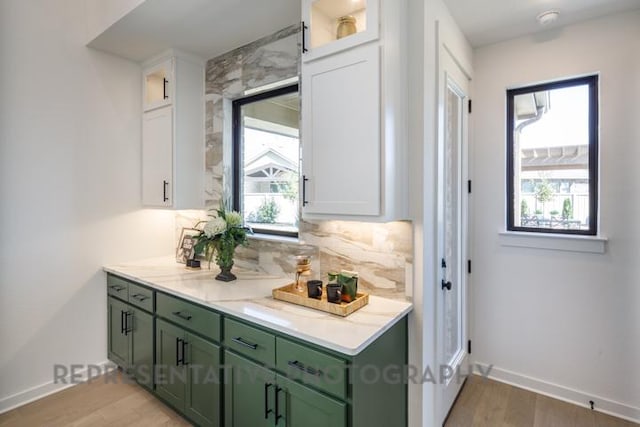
[[289, 294]]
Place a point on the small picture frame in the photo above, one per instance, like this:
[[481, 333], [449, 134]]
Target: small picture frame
[[186, 246]]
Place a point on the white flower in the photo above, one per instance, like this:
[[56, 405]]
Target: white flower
[[234, 219], [214, 227]]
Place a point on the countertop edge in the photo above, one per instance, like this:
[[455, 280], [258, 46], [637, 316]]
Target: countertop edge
[[354, 351]]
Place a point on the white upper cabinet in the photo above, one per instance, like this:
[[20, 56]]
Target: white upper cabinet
[[354, 119], [157, 157], [157, 84], [341, 116], [173, 132], [330, 26]]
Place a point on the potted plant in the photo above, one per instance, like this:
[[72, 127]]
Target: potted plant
[[220, 237]]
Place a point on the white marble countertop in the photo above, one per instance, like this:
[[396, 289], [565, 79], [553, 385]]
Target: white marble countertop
[[249, 298]]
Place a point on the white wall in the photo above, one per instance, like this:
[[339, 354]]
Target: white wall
[[563, 323], [101, 14], [69, 191]]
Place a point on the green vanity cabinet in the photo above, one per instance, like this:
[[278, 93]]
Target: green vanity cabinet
[[257, 396], [130, 338], [171, 377], [118, 344], [220, 370], [188, 373], [249, 393], [305, 407]]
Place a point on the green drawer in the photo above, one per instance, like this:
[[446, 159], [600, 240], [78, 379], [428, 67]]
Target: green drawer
[[118, 287], [191, 316], [141, 297], [252, 342], [312, 367]]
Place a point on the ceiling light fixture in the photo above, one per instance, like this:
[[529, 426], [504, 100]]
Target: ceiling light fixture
[[547, 17]]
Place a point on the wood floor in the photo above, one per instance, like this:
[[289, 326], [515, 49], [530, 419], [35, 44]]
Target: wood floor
[[95, 404], [484, 402], [481, 403]]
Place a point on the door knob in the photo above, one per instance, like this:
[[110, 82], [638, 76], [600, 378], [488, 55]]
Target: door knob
[[446, 285]]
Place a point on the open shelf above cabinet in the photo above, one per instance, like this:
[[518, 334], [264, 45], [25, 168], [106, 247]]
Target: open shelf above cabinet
[[334, 25]]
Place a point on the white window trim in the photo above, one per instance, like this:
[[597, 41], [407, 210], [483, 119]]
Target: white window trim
[[552, 241]]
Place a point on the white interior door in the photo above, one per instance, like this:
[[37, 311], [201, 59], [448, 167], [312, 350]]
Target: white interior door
[[452, 297]]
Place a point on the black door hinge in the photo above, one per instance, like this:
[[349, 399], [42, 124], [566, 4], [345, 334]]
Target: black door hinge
[[469, 347], [469, 266], [469, 186], [469, 106]]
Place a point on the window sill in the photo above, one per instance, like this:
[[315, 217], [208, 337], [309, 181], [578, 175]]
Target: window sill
[[274, 238], [557, 242]]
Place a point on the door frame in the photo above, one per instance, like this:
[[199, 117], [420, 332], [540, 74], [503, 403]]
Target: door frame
[[464, 210]]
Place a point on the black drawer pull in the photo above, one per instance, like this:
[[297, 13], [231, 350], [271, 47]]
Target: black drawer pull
[[165, 184], [139, 297], [240, 341], [305, 369], [180, 344], [278, 416], [184, 352], [267, 411], [304, 39], [127, 327], [304, 190], [116, 288], [182, 316]]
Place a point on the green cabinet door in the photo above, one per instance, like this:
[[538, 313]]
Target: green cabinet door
[[301, 406], [171, 373], [118, 342], [141, 348], [249, 393], [202, 403]]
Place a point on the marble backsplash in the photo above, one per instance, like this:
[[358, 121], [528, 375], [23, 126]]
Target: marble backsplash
[[380, 252]]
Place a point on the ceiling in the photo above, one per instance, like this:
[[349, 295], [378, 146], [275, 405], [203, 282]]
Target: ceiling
[[206, 28], [490, 21]]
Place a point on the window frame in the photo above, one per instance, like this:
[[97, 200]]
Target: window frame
[[592, 82], [236, 162]]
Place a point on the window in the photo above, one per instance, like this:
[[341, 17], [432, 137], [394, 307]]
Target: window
[[266, 160], [552, 157]]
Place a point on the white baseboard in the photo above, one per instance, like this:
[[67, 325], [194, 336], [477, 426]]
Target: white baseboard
[[566, 394], [38, 392]]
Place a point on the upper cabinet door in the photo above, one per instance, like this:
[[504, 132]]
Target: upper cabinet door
[[157, 158], [157, 84], [330, 26], [341, 158]]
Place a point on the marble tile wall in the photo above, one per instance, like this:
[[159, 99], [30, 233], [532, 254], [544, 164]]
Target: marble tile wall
[[380, 253]]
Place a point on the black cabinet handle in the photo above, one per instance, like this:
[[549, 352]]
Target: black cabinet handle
[[127, 329], [182, 316], [139, 297], [304, 38], [304, 190], [184, 361], [240, 341], [116, 288], [122, 322], [278, 416], [165, 184], [305, 369], [164, 88], [267, 411], [446, 285], [179, 347]]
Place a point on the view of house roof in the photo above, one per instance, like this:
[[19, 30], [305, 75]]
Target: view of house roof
[[561, 157]]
